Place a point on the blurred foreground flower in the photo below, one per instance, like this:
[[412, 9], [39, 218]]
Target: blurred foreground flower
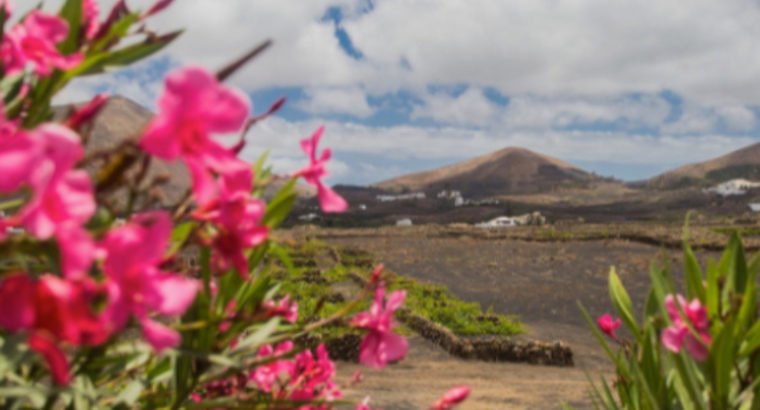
[[608, 325], [678, 333], [451, 398], [381, 345]]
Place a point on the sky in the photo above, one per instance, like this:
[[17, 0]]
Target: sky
[[623, 88]]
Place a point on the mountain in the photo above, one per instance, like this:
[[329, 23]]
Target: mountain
[[742, 163], [510, 171], [121, 120]]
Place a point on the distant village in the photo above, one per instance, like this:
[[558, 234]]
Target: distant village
[[452, 197], [735, 187], [455, 198]]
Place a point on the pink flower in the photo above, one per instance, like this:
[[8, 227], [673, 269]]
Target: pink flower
[[34, 42], [192, 107], [285, 308], [329, 200], [608, 325], [136, 284], [91, 18], [62, 198], [312, 379], [678, 333], [451, 398], [267, 375], [381, 345], [52, 311], [237, 216]]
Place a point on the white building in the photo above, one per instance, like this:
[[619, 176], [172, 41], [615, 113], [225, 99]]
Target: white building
[[733, 187], [499, 222], [401, 197], [755, 207], [404, 222]]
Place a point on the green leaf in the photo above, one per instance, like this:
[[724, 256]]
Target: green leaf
[[72, 12], [712, 297], [133, 53], [279, 207], [117, 30], [693, 273], [258, 337], [180, 234], [34, 395], [751, 340], [622, 302], [131, 393], [722, 360], [688, 374], [259, 169], [162, 368]]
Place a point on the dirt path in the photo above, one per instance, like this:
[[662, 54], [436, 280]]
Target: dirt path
[[540, 282]]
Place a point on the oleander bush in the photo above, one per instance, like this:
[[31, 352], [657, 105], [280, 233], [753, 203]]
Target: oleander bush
[[111, 301], [694, 345]]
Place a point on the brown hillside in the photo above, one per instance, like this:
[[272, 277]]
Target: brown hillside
[[121, 120], [505, 172], [742, 163]]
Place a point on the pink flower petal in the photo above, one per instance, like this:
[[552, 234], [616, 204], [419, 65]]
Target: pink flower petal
[[54, 357], [673, 338], [18, 155], [160, 336], [696, 349], [451, 398], [177, 293], [396, 347], [329, 200], [77, 250], [17, 302]]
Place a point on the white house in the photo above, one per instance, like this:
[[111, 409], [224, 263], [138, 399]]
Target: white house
[[401, 197], [499, 222], [755, 207], [737, 186], [404, 222]]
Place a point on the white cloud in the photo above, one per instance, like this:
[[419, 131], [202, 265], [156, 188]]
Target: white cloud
[[331, 100], [737, 118], [470, 108], [704, 50], [536, 112], [698, 119]]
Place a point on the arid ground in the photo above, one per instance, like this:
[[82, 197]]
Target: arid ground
[[541, 282]]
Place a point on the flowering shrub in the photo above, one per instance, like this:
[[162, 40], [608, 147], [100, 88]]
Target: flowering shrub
[[698, 351], [99, 306]]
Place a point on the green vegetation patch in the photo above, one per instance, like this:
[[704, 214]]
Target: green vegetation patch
[[325, 279]]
